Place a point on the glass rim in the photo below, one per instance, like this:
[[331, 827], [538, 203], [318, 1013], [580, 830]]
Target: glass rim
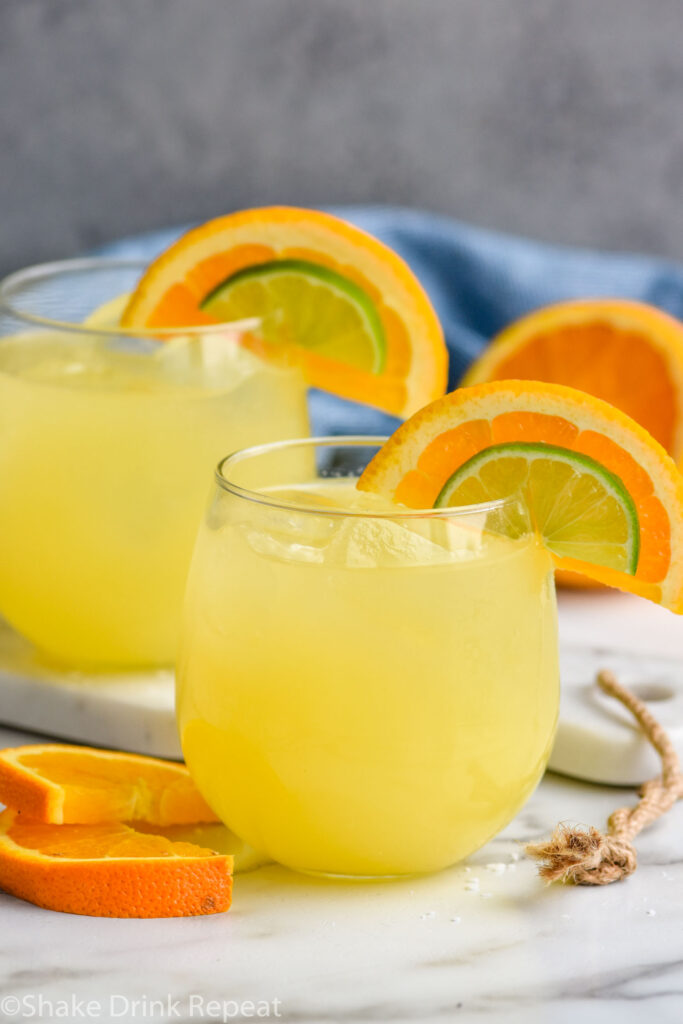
[[11, 284], [338, 441]]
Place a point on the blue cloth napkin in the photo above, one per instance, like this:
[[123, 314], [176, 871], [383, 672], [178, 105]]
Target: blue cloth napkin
[[478, 281]]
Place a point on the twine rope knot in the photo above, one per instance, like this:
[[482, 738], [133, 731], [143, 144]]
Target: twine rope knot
[[590, 857]]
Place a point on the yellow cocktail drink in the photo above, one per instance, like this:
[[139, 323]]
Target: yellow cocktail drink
[[106, 443], [362, 691]]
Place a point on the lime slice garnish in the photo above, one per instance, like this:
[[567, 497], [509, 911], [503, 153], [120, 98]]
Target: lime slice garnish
[[579, 508], [302, 303]]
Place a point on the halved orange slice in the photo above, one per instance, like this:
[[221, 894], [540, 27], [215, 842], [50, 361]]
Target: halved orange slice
[[110, 870], [604, 496], [349, 307], [58, 784], [628, 353]]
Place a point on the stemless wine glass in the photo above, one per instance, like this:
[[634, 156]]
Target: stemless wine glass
[[363, 690], [107, 437]]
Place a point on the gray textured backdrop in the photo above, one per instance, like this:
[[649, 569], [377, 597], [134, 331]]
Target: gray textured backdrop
[[561, 119]]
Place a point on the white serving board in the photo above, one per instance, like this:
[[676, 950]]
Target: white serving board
[[126, 712], [596, 740]]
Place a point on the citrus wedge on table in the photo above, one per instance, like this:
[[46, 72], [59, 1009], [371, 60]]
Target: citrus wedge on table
[[628, 353], [111, 834], [604, 496], [59, 784], [110, 870], [331, 296]]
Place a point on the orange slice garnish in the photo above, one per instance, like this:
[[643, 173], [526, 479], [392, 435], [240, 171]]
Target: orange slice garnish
[[605, 496], [397, 358]]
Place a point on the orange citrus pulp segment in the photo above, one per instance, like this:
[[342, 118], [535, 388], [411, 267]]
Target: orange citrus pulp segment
[[414, 371], [433, 446]]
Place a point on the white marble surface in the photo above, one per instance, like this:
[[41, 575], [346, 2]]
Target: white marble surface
[[436, 949]]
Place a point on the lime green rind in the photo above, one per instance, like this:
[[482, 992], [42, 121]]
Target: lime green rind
[[216, 301], [611, 483]]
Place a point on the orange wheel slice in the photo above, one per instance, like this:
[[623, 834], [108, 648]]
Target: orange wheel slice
[[347, 306], [110, 871], [605, 497], [627, 353], [60, 784]]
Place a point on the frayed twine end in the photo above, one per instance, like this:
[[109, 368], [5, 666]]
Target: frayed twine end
[[583, 857], [589, 857]]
